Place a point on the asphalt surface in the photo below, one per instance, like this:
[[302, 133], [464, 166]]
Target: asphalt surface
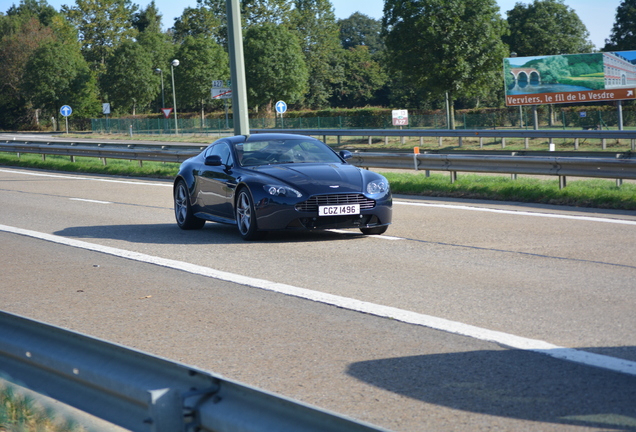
[[560, 275]]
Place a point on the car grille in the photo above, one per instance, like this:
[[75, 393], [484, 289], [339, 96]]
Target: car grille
[[311, 205]]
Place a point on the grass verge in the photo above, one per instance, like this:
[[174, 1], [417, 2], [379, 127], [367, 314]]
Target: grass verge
[[581, 193], [21, 413]]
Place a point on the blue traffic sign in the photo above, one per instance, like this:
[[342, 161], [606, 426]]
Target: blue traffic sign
[[66, 110], [281, 107]]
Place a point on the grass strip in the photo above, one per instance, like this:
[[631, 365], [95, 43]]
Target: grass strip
[[595, 193]]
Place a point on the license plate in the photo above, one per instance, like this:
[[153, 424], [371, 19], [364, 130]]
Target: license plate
[[336, 210]]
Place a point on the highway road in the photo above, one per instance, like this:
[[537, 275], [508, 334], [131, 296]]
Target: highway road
[[459, 318]]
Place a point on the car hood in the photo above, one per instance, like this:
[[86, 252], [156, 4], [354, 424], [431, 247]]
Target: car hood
[[317, 178]]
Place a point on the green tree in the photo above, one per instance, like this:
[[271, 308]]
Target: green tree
[[38, 9], [363, 78], [315, 24], [201, 62], [103, 25], [623, 36], [438, 46], [546, 27], [198, 22], [359, 29], [22, 38], [253, 12], [274, 65], [129, 81], [57, 74]]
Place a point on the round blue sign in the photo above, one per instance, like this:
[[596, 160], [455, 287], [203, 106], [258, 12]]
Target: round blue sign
[[281, 107], [66, 110]]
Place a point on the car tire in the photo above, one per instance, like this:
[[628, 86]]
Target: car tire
[[183, 210], [375, 230], [246, 216]]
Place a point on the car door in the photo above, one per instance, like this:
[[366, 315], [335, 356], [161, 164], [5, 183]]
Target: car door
[[216, 183]]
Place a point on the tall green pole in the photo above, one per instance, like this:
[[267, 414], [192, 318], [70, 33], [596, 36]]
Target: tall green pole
[[237, 69]]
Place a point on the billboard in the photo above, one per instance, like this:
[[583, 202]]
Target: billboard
[[572, 78]]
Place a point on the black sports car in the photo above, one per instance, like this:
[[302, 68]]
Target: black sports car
[[269, 182]]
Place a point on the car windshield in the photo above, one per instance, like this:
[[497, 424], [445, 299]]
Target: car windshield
[[255, 153]]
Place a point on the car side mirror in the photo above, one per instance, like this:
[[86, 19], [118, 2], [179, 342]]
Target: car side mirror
[[345, 154], [214, 160]]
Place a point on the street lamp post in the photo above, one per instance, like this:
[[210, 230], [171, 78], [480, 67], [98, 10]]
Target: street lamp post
[[174, 64], [163, 99]]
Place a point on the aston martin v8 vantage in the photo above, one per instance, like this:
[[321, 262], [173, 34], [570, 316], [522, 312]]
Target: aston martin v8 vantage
[[267, 182]]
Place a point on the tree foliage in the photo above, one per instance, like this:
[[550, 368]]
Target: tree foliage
[[103, 25], [57, 74], [201, 62], [130, 82], [546, 27], [362, 78], [274, 65], [440, 46], [359, 29], [623, 36], [315, 25]]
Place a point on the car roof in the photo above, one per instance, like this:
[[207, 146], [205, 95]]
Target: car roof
[[276, 136]]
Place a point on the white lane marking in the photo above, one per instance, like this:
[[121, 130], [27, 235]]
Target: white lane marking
[[513, 341], [90, 201], [383, 237], [520, 213], [71, 177]]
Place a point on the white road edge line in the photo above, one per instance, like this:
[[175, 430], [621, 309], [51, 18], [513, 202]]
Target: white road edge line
[[509, 340], [519, 212], [73, 177], [90, 201]]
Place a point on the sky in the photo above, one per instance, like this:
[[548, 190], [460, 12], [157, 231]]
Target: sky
[[597, 15]]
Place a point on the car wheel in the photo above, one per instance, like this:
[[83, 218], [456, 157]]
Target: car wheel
[[183, 210], [246, 216], [375, 230]]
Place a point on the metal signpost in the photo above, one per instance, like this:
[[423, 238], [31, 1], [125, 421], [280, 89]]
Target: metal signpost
[[66, 111], [400, 118], [106, 111], [222, 90], [281, 108]]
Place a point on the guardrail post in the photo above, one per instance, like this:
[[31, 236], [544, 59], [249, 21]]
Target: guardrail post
[[562, 182], [43, 157], [370, 140], [461, 141], [526, 143], [453, 176], [513, 176], [633, 144], [604, 144], [481, 142], [576, 143], [386, 140], [440, 141], [503, 142]]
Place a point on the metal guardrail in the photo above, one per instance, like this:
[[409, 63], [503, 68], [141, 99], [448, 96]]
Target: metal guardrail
[[465, 133], [141, 392]]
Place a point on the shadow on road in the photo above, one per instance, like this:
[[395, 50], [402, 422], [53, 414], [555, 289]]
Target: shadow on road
[[212, 233], [512, 383]]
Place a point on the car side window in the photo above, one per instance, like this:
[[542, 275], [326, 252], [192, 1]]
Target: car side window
[[222, 150]]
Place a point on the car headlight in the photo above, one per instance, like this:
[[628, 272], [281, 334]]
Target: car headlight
[[279, 190], [377, 186]]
